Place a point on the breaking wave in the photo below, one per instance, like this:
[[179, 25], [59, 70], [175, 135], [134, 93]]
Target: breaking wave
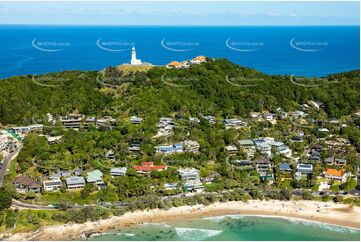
[[196, 234], [331, 227]]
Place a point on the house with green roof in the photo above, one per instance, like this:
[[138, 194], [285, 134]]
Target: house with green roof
[[95, 177]]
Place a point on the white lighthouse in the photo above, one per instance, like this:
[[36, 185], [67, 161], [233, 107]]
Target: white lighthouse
[[134, 60]]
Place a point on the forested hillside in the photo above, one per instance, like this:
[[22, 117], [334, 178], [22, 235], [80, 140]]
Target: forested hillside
[[217, 87]]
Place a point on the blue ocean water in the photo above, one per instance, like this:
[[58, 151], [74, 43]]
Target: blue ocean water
[[234, 228], [307, 51]]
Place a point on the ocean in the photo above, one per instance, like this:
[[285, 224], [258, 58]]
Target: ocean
[[234, 228], [302, 51]]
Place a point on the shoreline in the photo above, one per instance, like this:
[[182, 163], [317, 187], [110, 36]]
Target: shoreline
[[328, 213]]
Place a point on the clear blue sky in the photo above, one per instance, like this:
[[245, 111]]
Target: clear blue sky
[[180, 13]]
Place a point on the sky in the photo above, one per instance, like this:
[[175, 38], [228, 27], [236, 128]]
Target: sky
[[180, 13]]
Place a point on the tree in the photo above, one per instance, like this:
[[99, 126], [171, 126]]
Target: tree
[[286, 194], [5, 199]]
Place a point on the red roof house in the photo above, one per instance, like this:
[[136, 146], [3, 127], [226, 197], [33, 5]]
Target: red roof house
[[147, 167]]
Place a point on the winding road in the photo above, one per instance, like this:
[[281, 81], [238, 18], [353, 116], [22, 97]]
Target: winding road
[[4, 166]]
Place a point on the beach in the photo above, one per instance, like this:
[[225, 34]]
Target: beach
[[323, 212]]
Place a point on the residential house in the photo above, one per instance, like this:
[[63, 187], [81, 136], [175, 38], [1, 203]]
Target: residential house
[[147, 167], [283, 115], [305, 168], [135, 120], [26, 129], [169, 149], [285, 167], [336, 175], [329, 160], [210, 178], [298, 114], [170, 186], [78, 172], [189, 174], [317, 104], [110, 155], [52, 185], [340, 161], [262, 164], [165, 126], [334, 161], [234, 123], [60, 174], [247, 145], [210, 119], [89, 121], [191, 179], [53, 139], [72, 121], [26, 184], [106, 121], [231, 149], [263, 147], [256, 116], [198, 60], [194, 120], [190, 146], [95, 177], [269, 116], [75, 182], [174, 64], [134, 147], [281, 148], [118, 171]]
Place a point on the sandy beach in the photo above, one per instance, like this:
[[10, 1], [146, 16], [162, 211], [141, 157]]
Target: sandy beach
[[324, 212]]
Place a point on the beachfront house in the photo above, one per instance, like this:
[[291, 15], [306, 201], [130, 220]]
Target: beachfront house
[[191, 179], [52, 185], [75, 182], [336, 175], [95, 177], [26, 184]]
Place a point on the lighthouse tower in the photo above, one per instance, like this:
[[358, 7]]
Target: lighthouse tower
[[134, 60]]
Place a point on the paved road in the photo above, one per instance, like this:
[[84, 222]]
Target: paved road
[[5, 165], [22, 205]]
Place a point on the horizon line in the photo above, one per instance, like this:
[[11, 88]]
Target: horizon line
[[179, 25]]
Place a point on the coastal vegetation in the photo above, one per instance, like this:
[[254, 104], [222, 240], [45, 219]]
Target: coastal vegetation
[[216, 87]]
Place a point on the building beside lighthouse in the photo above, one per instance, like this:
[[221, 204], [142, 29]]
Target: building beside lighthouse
[[134, 60]]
